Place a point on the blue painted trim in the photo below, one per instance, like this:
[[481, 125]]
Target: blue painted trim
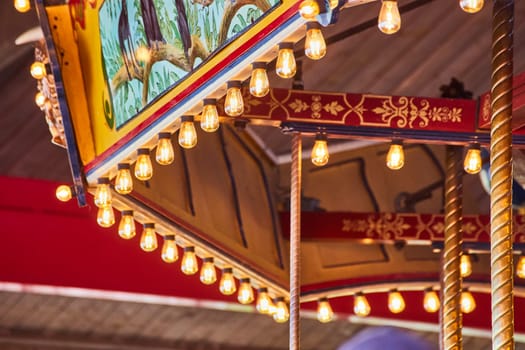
[[442, 137], [75, 164]]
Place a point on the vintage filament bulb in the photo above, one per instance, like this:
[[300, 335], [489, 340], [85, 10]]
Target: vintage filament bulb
[[281, 313], [245, 294], [465, 265], [64, 193], [189, 265], [361, 305], [123, 181], [169, 253], [471, 6], [395, 158], [105, 216], [143, 166], [320, 153], [234, 103], [264, 303], [210, 115], [22, 5], [520, 267], [103, 193], [314, 45], [286, 65], [259, 84], [396, 303], [40, 99], [187, 132], [164, 154], [389, 20], [126, 227], [148, 240], [38, 70], [208, 274], [431, 301], [309, 9], [227, 283], [468, 304], [325, 313], [473, 163]]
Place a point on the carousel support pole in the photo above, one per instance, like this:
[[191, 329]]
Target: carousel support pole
[[450, 314], [501, 176], [295, 243]]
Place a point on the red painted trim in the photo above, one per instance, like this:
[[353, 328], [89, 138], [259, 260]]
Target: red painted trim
[[215, 70], [389, 227]]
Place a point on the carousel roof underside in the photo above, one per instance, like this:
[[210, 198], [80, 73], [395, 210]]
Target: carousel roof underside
[[437, 42]]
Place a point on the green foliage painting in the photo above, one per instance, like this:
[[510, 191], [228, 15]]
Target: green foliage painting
[[150, 45]]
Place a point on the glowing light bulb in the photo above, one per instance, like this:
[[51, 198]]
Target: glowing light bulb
[[245, 294], [395, 158], [468, 304], [105, 216], [40, 99], [285, 66], [325, 313], [143, 54], [234, 103], [264, 303], [148, 240], [164, 154], [259, 84], [431, 301], [309, 9], [227, 284], [465, 265], [281, 313], [64, 193], [22, 5], [389, 21], [210, 115], [208, 274], [520, 267], [123, 181], [38, 70], [187, 132], [320, 153], [189, 265], [396, 303], [143, 166], [471, 6], [169, 253], [361, 305], [126, 227], [473, 163], [103, 193], [314, 45]]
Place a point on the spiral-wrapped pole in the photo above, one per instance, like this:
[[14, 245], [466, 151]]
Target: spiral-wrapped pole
[[295, 243], [501, 176], [450, 314]]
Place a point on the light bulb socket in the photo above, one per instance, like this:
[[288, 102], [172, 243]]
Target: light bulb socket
[[209, 102], [123, 166], [286, 45], [189, 249], [259, 65], [397, 142], [169, 237], [143, 151], [127, 213], [428, 289], [164, 135], [312, 25], [234, 84], [321, 136], [278, 299], [262, 290], [474, 145], [323, 299], [149, 225], [244, 280], [187, 118], [208, 259], [393, 290], [359, 294], [103, 181], [227, 270]]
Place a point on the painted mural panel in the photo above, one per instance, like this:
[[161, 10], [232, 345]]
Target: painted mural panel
[[149, 46]]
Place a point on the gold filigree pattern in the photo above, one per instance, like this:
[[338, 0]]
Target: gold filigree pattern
[[299, 106], [406, 112]]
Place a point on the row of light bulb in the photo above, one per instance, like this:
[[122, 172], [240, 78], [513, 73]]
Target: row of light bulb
[[396, 304], [395, 158], [389, 19]]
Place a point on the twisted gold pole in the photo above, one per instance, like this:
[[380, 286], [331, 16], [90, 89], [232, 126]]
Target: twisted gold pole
[[295, 243], [501, 176], [450, 314]]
